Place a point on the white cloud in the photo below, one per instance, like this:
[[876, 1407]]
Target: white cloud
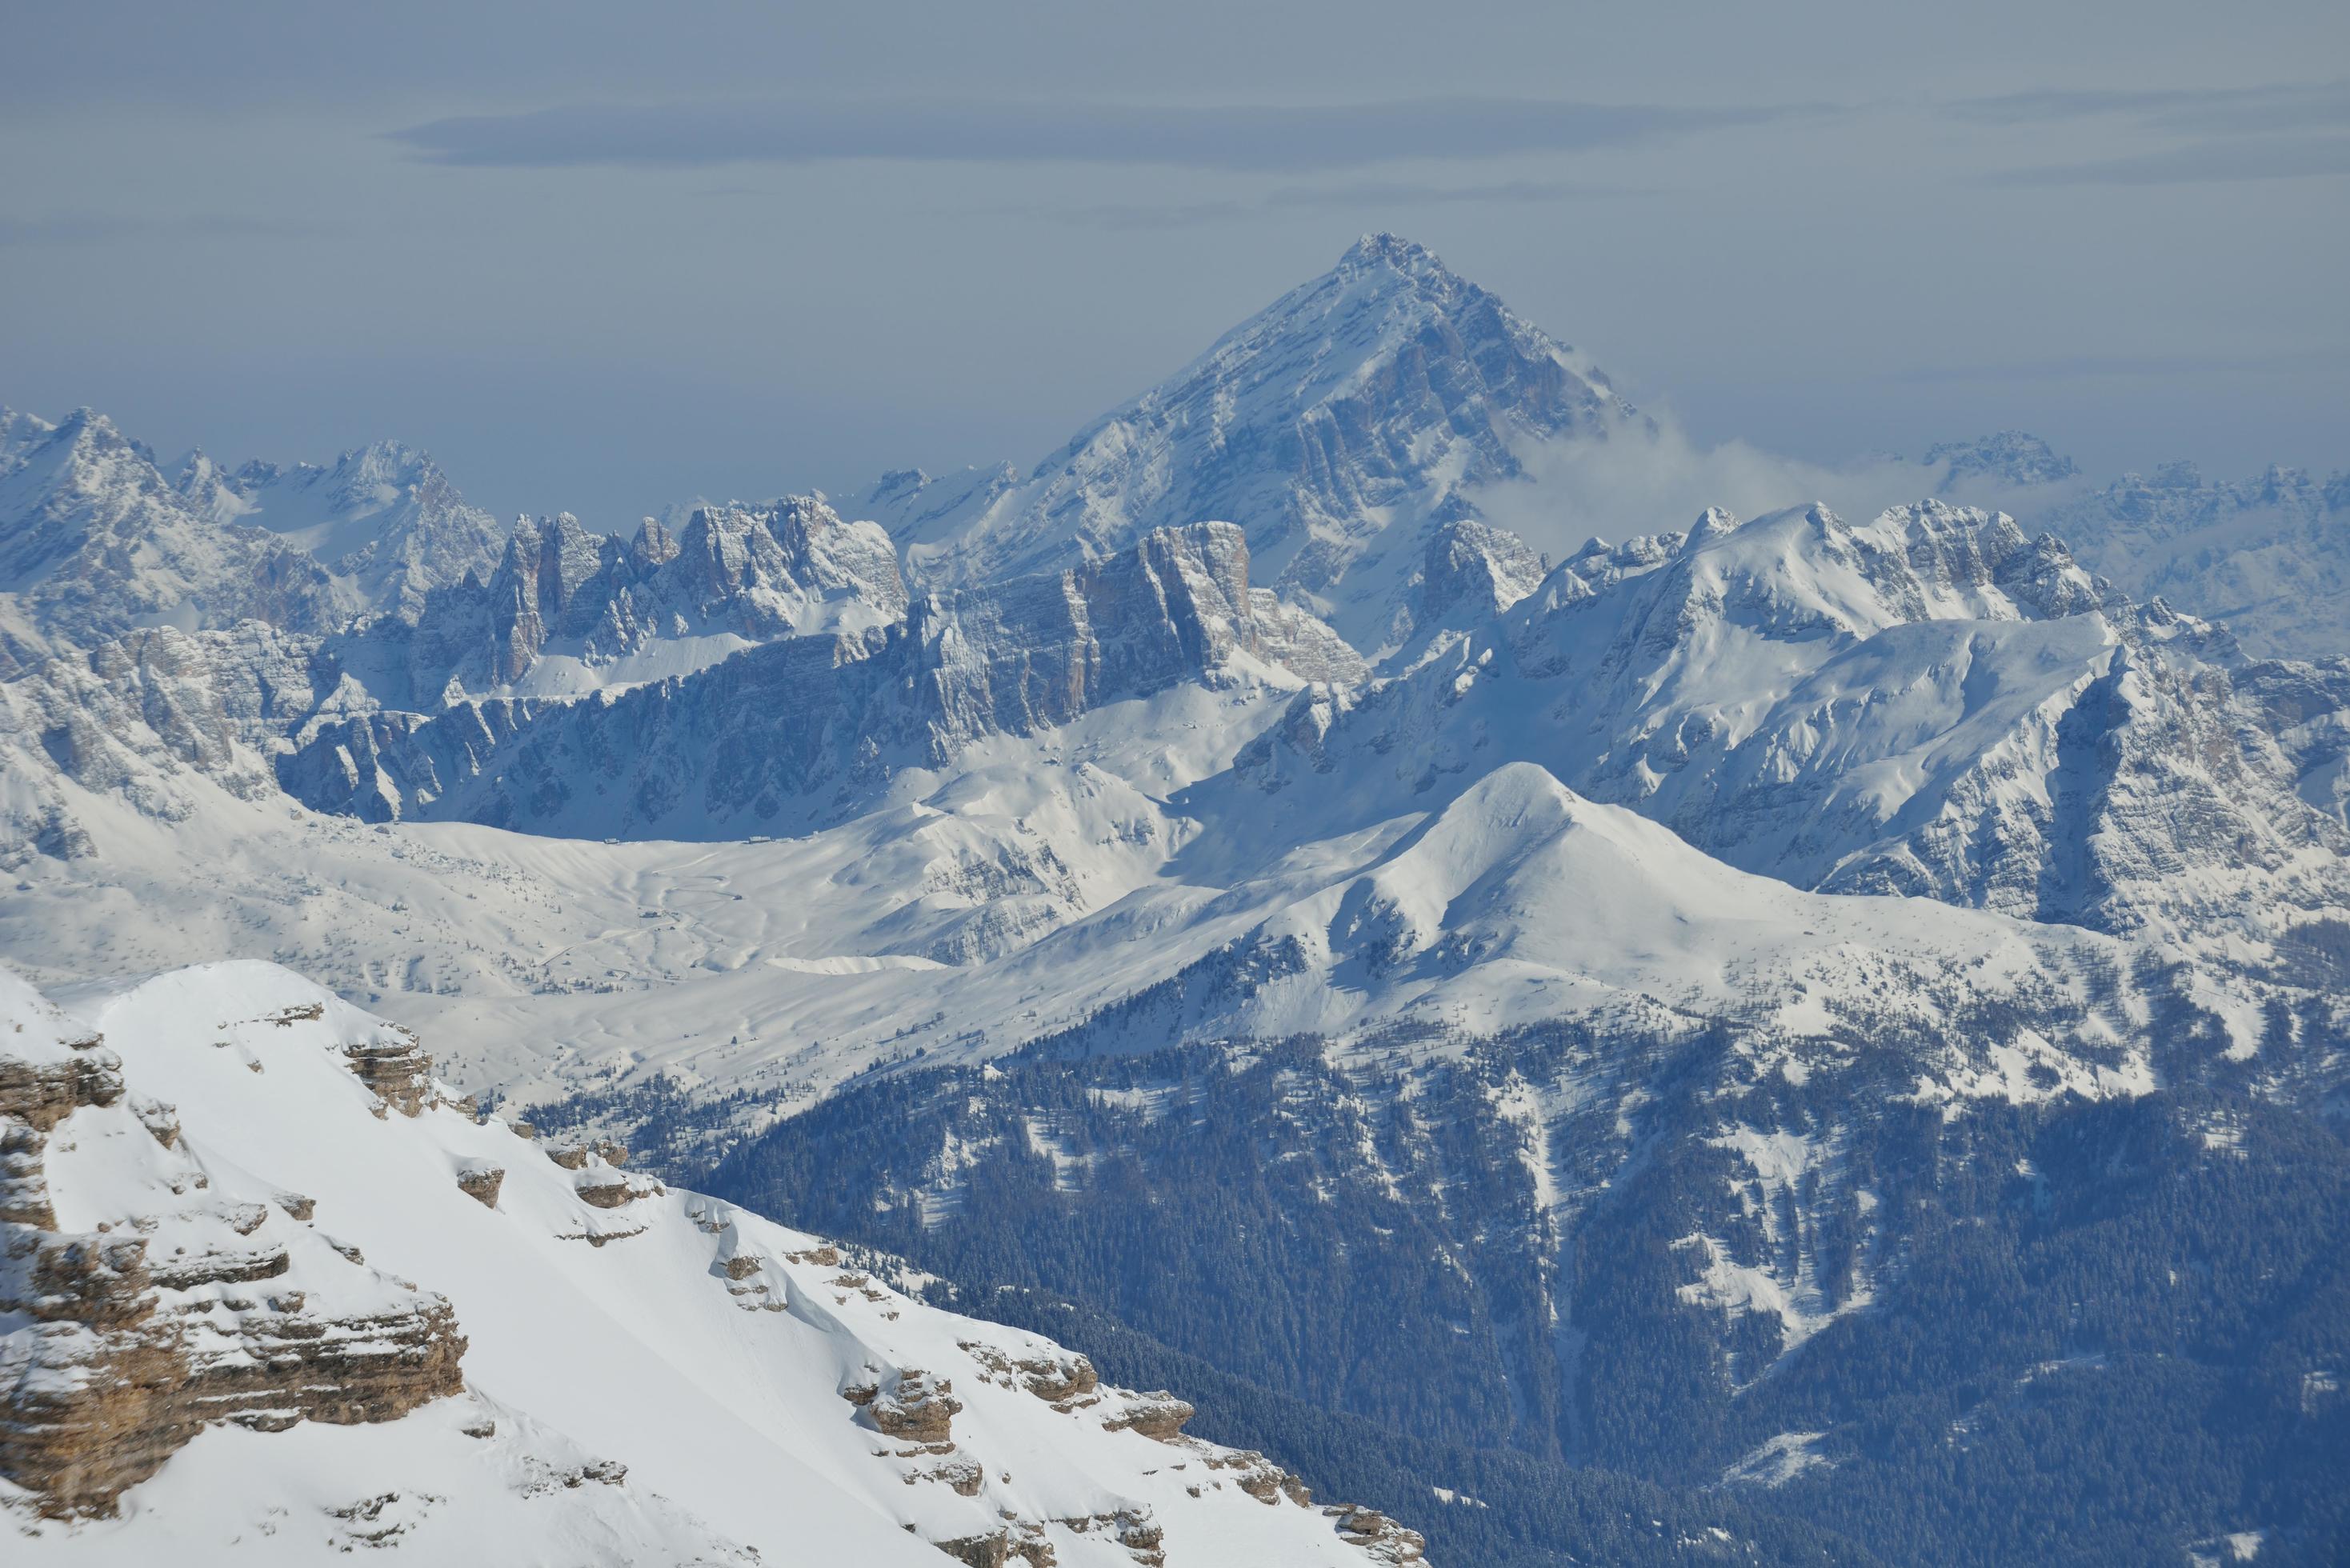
[[1634, 485]]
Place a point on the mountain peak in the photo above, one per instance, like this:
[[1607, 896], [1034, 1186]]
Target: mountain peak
[[1390, 250], [87, 426], [381, 461], [1341, 427], [2004, 457]]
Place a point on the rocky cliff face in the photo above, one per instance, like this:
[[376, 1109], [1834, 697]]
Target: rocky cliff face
[[594, 607], [417, 588], [143, 714], [795, 729], [151, 718], [157, 1304]]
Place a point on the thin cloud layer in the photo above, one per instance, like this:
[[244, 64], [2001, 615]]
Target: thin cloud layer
[[1260, 137], [2110, 366], [2230, 158], [98, 228], [1346, 195], [2284, 130], [2210, 111]]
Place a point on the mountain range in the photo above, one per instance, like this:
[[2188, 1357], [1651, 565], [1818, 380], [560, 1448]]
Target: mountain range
[[1718, 1036]]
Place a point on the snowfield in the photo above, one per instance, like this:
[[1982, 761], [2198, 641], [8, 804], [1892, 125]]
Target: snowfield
[[606, 1322]]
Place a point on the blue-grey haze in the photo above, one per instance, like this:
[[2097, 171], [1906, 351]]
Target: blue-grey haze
[[604, 256]]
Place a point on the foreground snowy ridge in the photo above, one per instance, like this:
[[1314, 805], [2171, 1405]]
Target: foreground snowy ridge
[[270, 1293]]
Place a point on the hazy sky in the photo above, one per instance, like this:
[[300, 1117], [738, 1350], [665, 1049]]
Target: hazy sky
[[602, 256]]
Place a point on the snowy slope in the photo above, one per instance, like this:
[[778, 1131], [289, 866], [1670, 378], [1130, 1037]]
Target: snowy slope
[[1048, 879], [643, 1370], [1520, 903]]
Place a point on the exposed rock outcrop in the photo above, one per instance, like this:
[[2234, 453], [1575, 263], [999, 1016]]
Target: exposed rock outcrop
[[396, 1067], [480, 1180], [1133, 1527], [1383, 1538], [992, 1549], [907, 1405], [602, 1184], [40, 1093], [1059, 1377], [1159, 1417], [184, 1308]]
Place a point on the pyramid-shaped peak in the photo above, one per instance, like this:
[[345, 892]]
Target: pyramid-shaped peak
[[88, 435], [1337, 426], [1390, 250], [87, 422]]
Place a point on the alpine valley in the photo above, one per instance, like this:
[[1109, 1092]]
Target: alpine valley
[[1810, 1029]]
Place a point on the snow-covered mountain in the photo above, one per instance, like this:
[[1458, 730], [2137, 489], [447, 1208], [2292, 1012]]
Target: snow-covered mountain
[[999, 833], [1074, 786], [2004, 460], [1928, 703], [2269, 557], [271, 1294], [1338, 427], [383, 517], [1626, 975], [1931, 702], [93, 542]]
